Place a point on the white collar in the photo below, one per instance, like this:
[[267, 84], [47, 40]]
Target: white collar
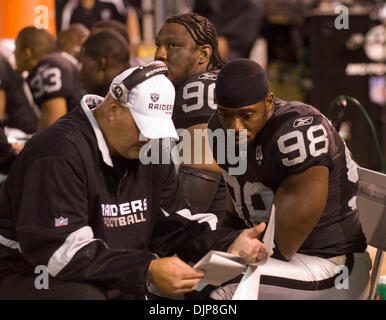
[[89, 102]]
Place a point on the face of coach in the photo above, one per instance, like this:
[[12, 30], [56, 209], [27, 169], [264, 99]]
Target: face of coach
[[119, 128], [128, 110]]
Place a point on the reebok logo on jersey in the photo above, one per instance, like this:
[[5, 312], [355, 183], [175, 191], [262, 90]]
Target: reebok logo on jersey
[[208, 76], [304, 121], [154, 97]]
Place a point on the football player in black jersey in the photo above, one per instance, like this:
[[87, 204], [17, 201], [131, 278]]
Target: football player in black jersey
[[15, 109], [53, 76], [72, 39], [7, 153], [88, 12], [297, 161], [121, 28], [187, 44], [104, 55]]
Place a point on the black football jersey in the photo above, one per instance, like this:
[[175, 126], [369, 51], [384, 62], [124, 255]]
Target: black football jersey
[[102, 10], [295, 138], [7, 154], [18, 112], [56, 75], [195, 100]]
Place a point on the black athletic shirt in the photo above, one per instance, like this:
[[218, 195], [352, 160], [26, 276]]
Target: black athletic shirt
[[195, 103], [100, 11], [294, 139], [18, 112], [67, 205], [7, 154], [56, 75]]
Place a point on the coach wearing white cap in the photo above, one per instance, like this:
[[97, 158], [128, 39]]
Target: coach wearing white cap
[[81, 217]]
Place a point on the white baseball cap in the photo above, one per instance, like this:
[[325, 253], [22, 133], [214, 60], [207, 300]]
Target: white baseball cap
[[149, 95]]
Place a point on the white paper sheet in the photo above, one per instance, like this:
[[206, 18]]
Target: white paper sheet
[[248, 288], [220, 267]]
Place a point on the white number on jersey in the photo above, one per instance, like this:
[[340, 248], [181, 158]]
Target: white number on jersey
[[318, 145], [47, 81], [195, 90], [250, 189]]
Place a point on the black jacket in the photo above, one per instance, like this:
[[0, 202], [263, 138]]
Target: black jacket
[[63, 206]]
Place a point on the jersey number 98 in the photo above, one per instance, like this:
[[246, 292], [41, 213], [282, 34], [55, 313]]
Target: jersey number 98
[[294, 141]]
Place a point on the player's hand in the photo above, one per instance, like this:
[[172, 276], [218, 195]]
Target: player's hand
[[17, 147], [173, 276], [247, 245]]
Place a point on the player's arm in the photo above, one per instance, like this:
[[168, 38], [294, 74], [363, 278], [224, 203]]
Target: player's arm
[[229, 204], [52, 110], [133, 30], [194, 106], [301, 152], [3, 100], [49, 86], [201, 155], [300, 201], [231, 219]]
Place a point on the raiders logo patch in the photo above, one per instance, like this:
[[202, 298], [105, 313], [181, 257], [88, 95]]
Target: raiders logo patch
[[154, 97], [304, 121]]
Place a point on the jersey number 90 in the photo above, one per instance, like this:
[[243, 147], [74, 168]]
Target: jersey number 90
[[196, 90]]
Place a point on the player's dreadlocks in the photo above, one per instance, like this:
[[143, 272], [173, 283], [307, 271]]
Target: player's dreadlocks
[[203, 32]]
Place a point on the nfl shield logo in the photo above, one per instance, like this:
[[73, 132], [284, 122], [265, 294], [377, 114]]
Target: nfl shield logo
[[60, 222], [154, 97]]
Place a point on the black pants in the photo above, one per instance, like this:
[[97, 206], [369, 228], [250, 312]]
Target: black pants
[[18, 286]]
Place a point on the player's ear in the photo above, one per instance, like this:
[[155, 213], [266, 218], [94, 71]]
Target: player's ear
[[27, 53], [102, 63], [269, 102], [29, 58], [205, 53], [113, 110], [270, 98]]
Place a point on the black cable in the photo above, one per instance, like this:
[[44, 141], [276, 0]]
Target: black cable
[[341, 101]]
